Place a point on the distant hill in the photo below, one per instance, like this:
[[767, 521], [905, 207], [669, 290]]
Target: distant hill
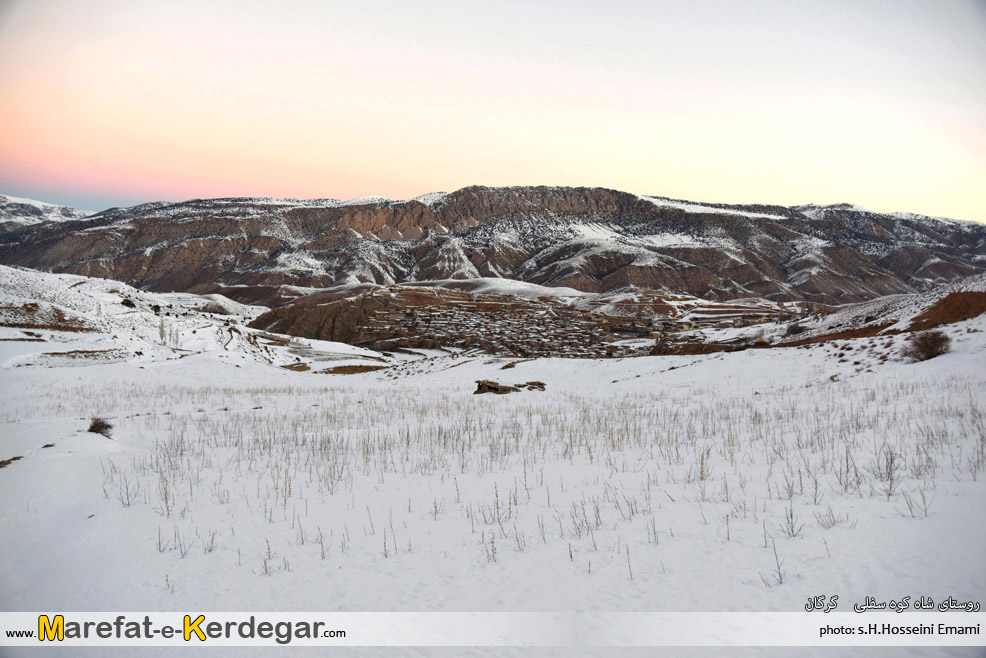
[[17, 214]]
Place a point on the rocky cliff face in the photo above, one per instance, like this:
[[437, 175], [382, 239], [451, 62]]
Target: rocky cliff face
[[586, 238]]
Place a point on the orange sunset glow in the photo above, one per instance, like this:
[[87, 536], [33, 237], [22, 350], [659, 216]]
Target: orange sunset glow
[[881, 104]]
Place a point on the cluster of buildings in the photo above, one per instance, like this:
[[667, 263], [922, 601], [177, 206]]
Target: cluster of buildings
[[502, 325], [419, 317]]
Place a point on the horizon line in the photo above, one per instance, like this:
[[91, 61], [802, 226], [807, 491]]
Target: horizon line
[[385, 199]]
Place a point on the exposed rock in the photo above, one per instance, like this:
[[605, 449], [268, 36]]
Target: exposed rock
[[352, 369], [4, 463], [485, 386]]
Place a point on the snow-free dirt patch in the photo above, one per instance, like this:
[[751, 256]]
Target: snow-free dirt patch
[[955, 307]]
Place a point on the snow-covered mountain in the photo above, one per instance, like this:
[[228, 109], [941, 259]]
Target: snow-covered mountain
[[589, 239], [17, 213]]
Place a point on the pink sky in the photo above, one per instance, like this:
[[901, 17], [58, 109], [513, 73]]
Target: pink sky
[[877, 103]]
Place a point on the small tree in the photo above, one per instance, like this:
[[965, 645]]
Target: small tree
[[927, 345]]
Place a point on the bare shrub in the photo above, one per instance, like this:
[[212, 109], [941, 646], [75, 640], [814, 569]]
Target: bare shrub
[[794, 329], [927, 345], [846, 472], [101, 426], [791, 526], [887, 466]]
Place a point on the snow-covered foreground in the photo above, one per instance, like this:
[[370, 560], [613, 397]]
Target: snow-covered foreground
[[744, 481]]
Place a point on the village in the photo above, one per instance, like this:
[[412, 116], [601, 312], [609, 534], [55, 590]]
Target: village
[[513, 326]]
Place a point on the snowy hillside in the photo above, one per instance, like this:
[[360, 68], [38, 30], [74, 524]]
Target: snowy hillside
[[17, 213], [728, 481], [896, 313], [66, 320]]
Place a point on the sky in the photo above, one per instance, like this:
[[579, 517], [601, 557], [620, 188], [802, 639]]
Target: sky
[[881, 104]]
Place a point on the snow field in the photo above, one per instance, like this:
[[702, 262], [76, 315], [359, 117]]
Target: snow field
[[739, 481], [418, 496]]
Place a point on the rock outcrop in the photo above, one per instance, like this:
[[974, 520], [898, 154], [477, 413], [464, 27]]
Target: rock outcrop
[[486, 386]]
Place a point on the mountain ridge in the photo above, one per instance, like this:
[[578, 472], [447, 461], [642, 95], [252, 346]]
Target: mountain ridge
[[592, 239]]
